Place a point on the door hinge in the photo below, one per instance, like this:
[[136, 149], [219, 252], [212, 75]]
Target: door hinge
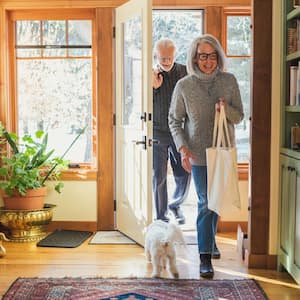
[[115, 204], [114, 32], [114, 119]]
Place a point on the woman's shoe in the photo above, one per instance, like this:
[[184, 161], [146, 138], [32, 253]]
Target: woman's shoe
[[216, 253], [206, 268]]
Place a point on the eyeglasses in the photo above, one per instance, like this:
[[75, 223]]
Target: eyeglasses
[[205, 56]]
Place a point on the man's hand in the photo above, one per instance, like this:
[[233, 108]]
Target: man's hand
[[186, 155], [157, 78]]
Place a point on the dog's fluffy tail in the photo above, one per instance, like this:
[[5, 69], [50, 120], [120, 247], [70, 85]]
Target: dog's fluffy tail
[[174, 233]]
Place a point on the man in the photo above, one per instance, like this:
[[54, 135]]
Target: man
[[165, 77]]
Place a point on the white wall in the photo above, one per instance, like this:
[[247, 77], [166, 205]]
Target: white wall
[[77, 201]]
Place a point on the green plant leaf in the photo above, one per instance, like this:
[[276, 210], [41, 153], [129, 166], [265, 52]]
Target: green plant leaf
[[11, 139], [58, 187], [29, 165]]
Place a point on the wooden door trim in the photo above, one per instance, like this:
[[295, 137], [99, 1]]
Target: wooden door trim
[[259, 202]]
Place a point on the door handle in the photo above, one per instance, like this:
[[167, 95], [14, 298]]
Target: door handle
[[142, 142], [151, 142]]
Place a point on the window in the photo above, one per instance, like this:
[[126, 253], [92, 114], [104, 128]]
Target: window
[[238, 51], [182, 26], [54, 82]]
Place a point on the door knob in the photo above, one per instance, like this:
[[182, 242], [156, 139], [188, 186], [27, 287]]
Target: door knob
[[142, 142]]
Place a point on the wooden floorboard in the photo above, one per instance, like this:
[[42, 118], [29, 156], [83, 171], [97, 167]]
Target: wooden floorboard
[[28, 260]]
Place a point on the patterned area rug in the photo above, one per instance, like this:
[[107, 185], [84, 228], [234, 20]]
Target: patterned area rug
[[133, 289]]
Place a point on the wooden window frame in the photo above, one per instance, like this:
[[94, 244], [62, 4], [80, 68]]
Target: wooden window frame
[[243, 168], [86, 171]]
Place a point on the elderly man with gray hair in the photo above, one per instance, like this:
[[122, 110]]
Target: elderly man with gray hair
[[191, 121], [165, 76]]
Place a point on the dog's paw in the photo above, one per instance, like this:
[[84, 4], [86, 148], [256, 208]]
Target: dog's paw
[[176, 275], [155, 275]]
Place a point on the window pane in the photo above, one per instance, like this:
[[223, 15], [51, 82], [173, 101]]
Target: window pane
[[56, 96], [54, 34], [80, 33], [240, 67], [51, 40], [131, 110], [28, 34], [238, 35], [180, 26]]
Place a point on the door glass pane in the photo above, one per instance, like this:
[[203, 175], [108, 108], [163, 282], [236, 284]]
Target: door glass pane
[[182, 26], [132, 72]]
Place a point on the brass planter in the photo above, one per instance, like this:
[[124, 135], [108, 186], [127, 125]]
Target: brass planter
[[26, 225]]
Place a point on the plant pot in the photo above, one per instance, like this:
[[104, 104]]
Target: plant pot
[[33, 199], [26, 225]]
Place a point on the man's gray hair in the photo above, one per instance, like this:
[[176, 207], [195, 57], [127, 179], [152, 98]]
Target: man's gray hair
[[192, 66], [164, 42]]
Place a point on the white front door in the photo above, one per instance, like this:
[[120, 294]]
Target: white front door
[[133, 118]]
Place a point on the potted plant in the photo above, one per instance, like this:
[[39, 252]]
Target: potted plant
[[25, 166]]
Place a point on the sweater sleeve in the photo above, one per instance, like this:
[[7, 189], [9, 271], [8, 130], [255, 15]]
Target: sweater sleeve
[[177, 114], [234, 110]]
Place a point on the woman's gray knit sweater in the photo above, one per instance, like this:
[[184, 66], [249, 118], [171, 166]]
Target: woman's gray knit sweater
[[192, 110]]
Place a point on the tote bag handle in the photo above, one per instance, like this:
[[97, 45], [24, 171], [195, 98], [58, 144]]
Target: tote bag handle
[[216, 123], [223, 133]]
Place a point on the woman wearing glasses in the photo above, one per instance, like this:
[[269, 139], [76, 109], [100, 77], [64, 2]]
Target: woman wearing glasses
[[191, 121]]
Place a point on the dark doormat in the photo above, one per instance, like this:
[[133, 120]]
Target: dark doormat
[[65, 238]]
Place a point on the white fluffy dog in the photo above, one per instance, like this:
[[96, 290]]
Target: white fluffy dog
[[160, 242]]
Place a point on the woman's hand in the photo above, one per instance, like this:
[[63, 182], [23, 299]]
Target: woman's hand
[[186, 155], [222, 101], [157, 78]]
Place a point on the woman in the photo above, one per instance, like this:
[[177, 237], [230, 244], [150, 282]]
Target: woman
[[191, 121]]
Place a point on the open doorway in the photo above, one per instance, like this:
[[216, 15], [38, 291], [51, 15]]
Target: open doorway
[[183, 26]]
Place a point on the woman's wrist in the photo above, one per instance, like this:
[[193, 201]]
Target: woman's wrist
[[183, 150]]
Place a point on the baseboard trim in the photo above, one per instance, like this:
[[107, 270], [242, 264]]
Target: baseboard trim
[[231, 226], [223, 226], [260, 261], [72, 225]]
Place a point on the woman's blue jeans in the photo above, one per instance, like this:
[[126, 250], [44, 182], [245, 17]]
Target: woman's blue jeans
[[207, 219]]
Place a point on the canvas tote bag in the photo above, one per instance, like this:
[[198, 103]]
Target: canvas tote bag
[[222, 176]]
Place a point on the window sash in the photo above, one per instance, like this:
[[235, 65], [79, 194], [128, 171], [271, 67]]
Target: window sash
[[86, 14]]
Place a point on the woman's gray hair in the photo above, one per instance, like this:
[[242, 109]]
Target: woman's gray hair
[[192, 66]]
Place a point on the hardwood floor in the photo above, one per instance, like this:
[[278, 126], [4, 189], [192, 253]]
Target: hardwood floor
[[27, 260]]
